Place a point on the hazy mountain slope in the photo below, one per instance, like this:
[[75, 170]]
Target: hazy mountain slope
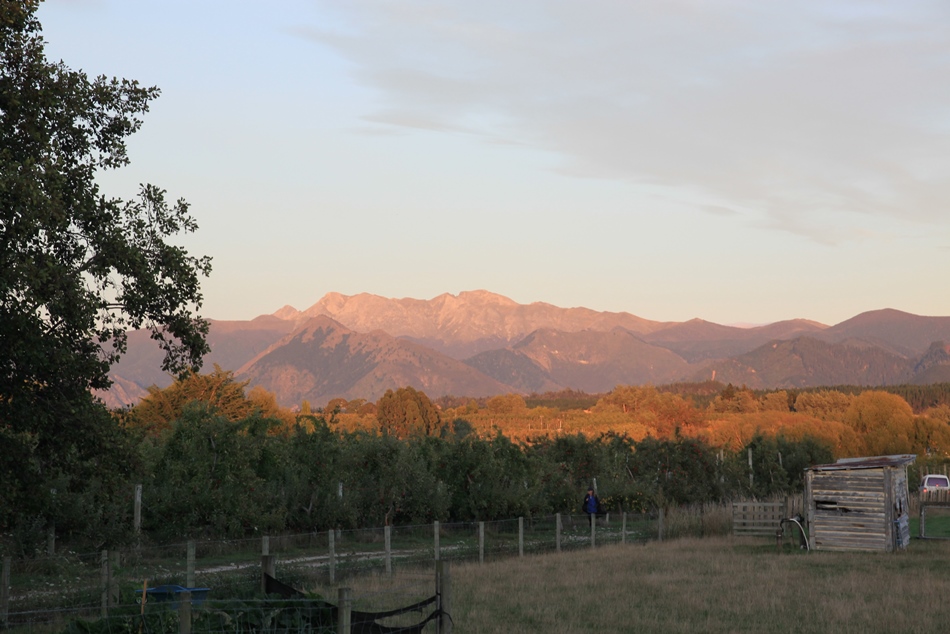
[[141, 364], [599, 361], [465, 324], [514, 369], [933, 374], [323, 359], [697, 340], [934, 365], [123, 392], [908, 334], [809, 362], [232, 343]]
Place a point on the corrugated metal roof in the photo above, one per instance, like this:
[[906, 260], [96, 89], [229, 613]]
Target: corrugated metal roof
[[872, 462]]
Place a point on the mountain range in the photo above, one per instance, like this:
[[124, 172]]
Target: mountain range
[[479, 343]]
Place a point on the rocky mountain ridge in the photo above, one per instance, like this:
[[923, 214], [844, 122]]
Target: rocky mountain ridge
[[479, 343], [465, 324]]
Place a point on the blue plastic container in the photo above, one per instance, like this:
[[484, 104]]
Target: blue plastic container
[[172, 594]]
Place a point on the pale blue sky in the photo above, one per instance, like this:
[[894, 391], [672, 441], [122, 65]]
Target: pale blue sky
[[739, 161]]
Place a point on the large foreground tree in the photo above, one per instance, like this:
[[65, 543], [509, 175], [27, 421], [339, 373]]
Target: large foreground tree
[[77, 268]]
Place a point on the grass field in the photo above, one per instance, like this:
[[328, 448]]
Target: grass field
[[938, 522], [706, 585]]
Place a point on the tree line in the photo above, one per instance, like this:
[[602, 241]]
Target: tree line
[[219, 460]]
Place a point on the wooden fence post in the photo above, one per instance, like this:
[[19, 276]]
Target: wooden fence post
[[268, 567], [113, 578], [443, 593], [481, 542], [521, 537], [435, 538], [344, 611], [104, 583], [109, 584], [331, 563], [137, 509], [750, 469], [388, 542], [659, 524], [265, 545], [5, 592], [623, 528], [438, 595], [190, 564], [921, 531], [51, 540], [593, 527], [557, 532], [184, 613]]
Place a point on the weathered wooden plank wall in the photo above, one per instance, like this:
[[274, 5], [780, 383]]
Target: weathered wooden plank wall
[[858, 509]]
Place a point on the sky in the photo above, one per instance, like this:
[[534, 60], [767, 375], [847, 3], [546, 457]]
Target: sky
[[737, 161]]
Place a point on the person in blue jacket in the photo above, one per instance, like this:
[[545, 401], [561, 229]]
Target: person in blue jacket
[[591, 505]]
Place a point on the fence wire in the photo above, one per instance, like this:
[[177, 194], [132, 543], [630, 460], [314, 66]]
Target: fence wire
[[49, 592]]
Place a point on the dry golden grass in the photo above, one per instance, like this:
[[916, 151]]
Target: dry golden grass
[[708, 585], [702, 520], [716, 584]]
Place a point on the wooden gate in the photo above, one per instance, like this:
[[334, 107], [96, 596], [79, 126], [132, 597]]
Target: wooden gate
[[758, 519]]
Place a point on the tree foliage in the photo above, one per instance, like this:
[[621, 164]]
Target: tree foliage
[[735, 400], [220, 392], [664, 413], [779, 463], [77, 268], [407, 412], [215, 476], [824, 404], [884, 422], [210, 476], [228, 464]]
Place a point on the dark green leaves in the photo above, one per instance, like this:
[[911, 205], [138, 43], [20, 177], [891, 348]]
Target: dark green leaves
[[77, 269]]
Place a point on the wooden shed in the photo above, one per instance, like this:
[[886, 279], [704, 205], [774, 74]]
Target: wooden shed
[[858, 504]]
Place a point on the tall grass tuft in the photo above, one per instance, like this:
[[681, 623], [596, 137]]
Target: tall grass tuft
[[697, 520]]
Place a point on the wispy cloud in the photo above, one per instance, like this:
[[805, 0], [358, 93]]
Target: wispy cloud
[[795, 112], [719, 210]]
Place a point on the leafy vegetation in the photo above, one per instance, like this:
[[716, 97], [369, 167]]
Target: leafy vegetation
[[407, 412], [563, 400], [921, 398], [78, 269], [218, 461]]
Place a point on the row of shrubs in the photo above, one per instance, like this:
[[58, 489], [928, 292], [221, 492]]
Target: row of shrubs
[[209, 477]]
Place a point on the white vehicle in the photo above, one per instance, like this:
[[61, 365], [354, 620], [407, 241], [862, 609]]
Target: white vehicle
[[931, 483]]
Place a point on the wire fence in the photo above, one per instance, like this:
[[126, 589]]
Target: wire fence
[[46, 594]]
